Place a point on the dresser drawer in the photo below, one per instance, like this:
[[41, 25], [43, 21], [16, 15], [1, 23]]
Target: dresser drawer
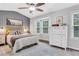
[[59, 30], [56, 40]]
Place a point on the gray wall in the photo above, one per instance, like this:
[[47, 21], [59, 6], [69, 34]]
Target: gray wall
[[67, 16], [13, 15]]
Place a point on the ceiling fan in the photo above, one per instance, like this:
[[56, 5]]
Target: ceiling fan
[[32, 7]]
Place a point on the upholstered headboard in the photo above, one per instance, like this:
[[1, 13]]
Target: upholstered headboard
[[14, 30]]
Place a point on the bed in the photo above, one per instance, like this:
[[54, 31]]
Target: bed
[[17, 42]]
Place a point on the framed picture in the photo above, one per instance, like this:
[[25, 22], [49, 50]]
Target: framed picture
[[60, 19], [14, 22]]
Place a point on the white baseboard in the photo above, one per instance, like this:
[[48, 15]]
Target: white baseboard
[[73, 48]]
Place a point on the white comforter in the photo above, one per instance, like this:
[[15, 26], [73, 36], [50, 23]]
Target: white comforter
[[22, 41], [16, 36]]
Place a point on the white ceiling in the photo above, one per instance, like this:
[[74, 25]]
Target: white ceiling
[[48, 7]]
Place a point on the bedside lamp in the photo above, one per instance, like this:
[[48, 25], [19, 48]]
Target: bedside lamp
[[2, 30]]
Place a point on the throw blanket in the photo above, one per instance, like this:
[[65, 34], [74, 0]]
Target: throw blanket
[[16, 37]]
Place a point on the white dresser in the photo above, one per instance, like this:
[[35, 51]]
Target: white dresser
[[58, 36]]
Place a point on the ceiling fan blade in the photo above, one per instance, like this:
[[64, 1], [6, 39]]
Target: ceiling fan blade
[[30, 4], [39, 4], [23, 8], [27, 3], [39, 9]]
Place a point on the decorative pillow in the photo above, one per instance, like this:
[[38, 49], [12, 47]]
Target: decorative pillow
[[12, 33]]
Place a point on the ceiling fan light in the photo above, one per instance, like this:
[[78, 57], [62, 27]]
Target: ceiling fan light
[[32, 8]]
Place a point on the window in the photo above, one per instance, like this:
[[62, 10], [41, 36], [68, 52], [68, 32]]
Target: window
[[42, 26], [45, 26], [76, 25], [38, 27]]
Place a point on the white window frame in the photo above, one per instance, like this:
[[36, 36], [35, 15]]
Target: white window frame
[[44, 19], [76, 12]]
